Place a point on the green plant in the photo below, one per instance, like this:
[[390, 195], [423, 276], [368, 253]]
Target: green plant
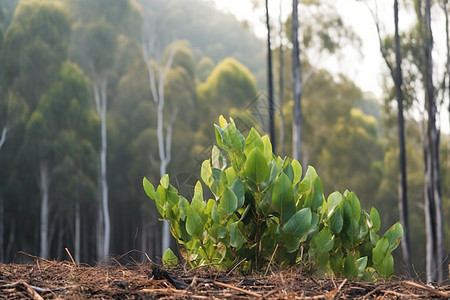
[[264, 212]]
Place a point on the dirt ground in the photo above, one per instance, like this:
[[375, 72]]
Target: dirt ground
[[44, 279]]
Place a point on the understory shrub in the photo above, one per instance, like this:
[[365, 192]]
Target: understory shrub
[[266, 212]]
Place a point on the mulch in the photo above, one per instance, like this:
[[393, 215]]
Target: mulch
[[45, 279]]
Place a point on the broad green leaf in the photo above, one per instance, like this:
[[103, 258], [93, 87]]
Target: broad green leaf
[[217, 159], [394, 236], [282, 192], [172, 199], [253, 141], [183, 206], [255, 167], [160, 201], [169, 258], [334, 199], [165, 181], [312, 180], [268, 153], [289, 171], [206, 173], [219, 183], [297, 171], [218, 131], [194, 224], [230, 174], [355, 206], [149, 188], [197, 203], [382, 258], [350, 266], [324, 240], [289, 240], [238, 189], [336, 221], [299, 223], [273, 172], [215, 213], [317, 194], [232, 139], [236, 236], [228, 202], [375, 218], [209, 206], [362, 264]]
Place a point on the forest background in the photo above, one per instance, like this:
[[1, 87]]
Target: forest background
[[79, 117]]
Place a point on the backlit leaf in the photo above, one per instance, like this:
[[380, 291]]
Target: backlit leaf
[[149, 188], [169, 258]]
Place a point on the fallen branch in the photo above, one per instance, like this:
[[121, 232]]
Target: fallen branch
[[232, 287], [428, 289]]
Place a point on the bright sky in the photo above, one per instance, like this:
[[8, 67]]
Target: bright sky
[[367, 71]]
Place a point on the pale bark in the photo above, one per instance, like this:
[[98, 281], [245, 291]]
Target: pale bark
[[157, 89], [100, 97], [435, 266], [44, 183], [281, 84], [3, 137], [297, 86]]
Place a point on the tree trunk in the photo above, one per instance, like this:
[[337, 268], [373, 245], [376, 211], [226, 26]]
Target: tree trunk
[[3, 137], [297, 85], [164, 141], [402, 184], [77, 240], [100, 90], [2, 242], [44, 186], [434, 272], [100, 229], [281, 83], [270, 82]]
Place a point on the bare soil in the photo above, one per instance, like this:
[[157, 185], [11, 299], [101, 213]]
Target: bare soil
[[44, 279]]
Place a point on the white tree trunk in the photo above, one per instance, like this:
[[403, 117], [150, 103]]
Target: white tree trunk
[[164, 141], [100, 90], [44, 186]]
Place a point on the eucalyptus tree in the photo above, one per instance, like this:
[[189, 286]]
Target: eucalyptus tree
[[395, 70], [158, 72], [297, 86], [433, 198], [93, 47]]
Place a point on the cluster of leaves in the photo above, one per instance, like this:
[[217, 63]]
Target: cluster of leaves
[[264, 213]]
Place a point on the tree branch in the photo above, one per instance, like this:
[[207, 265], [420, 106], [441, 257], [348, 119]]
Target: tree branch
[[3, 137], [382, 48]]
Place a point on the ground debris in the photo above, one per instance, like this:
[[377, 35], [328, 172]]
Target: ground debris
[[64, 280]]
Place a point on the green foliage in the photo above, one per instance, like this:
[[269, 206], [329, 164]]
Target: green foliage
[[169, 258], [263, 211]]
